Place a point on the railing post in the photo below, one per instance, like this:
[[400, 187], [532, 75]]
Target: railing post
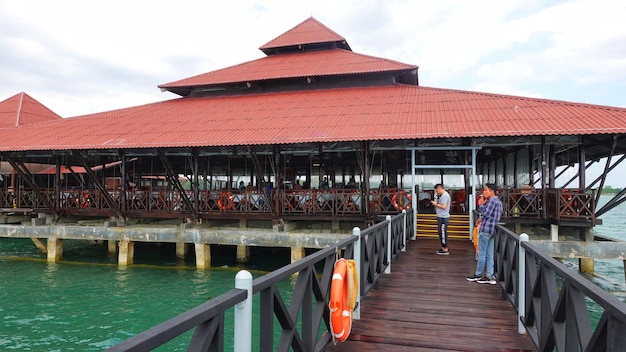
[[243, 314], [388, 268], [521, 284], [413, 224], [403, 230], [357, 260]]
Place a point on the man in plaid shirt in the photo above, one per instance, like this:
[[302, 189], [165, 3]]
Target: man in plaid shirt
[[490, 208]]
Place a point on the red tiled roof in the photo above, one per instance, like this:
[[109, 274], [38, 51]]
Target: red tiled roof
[[22, 109], [314, 63], [308, 32], [343, 114]]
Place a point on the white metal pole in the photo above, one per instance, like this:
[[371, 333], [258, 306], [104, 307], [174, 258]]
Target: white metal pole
[[357, 260], [243, 314], [472, 197], [404, 230], [521, 284], [388, 268]]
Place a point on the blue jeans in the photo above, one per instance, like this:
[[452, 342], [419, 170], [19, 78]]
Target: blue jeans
[[485, 253]]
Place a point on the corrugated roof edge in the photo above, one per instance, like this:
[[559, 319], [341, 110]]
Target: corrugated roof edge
[[301, 141]]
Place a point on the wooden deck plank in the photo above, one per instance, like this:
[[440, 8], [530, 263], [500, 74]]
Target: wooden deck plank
[[427, 305]]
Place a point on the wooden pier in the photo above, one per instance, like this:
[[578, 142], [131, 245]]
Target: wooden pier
[[427, 305]]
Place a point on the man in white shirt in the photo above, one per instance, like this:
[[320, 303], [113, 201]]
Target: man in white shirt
[[442, 208]]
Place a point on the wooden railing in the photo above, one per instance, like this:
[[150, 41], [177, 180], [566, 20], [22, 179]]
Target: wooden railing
[[332, 202], [554, 303], [554, 203], [303, 318]]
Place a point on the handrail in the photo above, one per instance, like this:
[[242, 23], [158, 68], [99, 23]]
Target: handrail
[[551, 299], [303, 319]]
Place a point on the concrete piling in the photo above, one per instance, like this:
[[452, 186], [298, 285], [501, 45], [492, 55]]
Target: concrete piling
[[127, 253], [55, 249], [181, 250], [112, 247], [243, 254], [297, 253], [203, 255]]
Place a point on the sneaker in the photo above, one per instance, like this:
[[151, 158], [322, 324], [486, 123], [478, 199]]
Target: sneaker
[[473, 278], [442, 252], [487, 280]]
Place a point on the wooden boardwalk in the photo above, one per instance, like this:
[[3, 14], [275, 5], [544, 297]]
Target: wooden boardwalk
[[427, 305]]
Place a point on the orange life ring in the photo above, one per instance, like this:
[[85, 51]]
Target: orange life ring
[[225, 201], [343, 296], [398, 200]]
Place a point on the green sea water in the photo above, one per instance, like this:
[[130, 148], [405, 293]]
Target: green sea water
[[80, 305], [87, 303]]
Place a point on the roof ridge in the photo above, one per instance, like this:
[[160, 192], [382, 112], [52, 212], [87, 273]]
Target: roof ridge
[[19, 109]]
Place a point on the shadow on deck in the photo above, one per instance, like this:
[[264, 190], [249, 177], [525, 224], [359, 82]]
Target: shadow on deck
[[427, 305]]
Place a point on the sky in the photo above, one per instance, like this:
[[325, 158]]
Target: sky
[[79, 57]]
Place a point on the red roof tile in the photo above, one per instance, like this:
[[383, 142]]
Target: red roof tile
[[346, 114], [305, 64], [308, 32], [22, 109]]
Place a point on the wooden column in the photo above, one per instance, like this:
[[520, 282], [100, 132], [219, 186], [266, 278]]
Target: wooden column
[[57, 184], [552, 162], [195, 179], [531, 165], [127, 253], [55, 249], [203, 255], [582, 170], [123, 183], [366, 179]]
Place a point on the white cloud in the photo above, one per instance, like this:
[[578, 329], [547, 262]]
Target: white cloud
[[117, 49]]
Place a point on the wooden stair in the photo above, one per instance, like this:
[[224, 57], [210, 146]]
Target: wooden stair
[[458, 227]]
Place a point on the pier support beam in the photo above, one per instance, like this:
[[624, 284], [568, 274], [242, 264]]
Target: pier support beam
[[297, 253], [181, 250], [127, 253], [586, 265], [243, 254], [203, 255], [55, 249], [39, 244], [112, 247]]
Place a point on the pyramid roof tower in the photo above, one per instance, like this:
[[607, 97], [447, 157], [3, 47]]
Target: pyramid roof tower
[[22, 109], [308, 52], [309, 32]]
